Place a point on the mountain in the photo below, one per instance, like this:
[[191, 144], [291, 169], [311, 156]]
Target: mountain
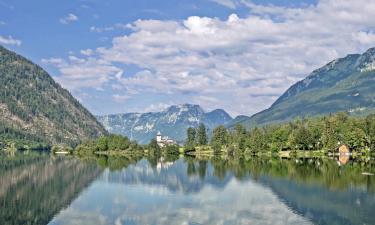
[[238, 120], [345, 84], [172, 122], [35, 109]]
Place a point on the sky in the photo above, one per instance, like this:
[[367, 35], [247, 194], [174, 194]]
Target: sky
[[118, 56]]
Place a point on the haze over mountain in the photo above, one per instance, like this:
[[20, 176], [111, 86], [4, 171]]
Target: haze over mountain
[[172, 122], [34, 108], [345, 84]]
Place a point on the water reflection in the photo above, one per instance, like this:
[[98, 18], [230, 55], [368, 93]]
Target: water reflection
[[40, 189], [227, 191], [33, 188]]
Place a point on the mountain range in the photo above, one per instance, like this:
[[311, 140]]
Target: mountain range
[[346, 84], [35, 109], [172, 122]]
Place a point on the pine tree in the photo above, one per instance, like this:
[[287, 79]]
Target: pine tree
[[220, 138], [202, 135], [191, 137]]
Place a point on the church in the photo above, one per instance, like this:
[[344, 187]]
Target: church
[[164, 141]]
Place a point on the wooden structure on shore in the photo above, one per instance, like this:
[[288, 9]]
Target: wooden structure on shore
[[344, 150], [344, 154]]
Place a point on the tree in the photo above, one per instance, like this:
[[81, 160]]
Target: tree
[[153, 145], [118, 143], [202, 135], [356, 138], [172, 149], [240, 136], [370, 130], [102, 144], [279, 138], [190, 141], [299, 139], [257, 141], [219, 138], [330, 136]]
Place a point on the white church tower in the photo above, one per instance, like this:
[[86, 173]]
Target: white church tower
[[158, 137]]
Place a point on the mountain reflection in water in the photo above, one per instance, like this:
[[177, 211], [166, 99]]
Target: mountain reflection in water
[[153, 190], [226, 191], [33, 188]]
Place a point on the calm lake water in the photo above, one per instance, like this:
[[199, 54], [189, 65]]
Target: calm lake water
[[43, 189]]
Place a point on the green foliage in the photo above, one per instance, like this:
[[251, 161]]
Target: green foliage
[[239, 137], [370, 130], [191, 137], [171, 149], [279, 137], [311, 134], [196, 137], [108, 143], [256, 141], [153, 146], [202, 135], [220, 138]]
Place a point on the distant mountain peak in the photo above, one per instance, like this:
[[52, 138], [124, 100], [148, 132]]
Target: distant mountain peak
[[345, 84], [172, 122]]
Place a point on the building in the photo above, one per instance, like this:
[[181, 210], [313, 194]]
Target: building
[[344, 155], [164, 141]]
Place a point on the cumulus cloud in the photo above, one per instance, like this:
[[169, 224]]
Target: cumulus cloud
[[364, 37], [158, 107], [244, 62], [68, 19], [9, 41], [87, 52], [83, 72]]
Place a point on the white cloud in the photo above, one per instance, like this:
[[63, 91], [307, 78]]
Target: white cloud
[[68, 19], [244, 62], [364, 37], [83, 72], [227, 3], [158, 107], [120, 98], [9, 41], [87, 52], [109, 28]]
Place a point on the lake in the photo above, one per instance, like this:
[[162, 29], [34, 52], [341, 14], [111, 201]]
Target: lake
[[46, 189]]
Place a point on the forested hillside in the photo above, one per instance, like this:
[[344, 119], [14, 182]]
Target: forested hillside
[[35, 109]]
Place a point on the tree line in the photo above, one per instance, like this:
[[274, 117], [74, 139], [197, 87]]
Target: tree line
[[195, 137], [318, 133]]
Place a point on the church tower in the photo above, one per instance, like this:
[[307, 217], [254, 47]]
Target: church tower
[[158, 137]]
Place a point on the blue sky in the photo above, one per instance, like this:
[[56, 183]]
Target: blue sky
[[239, 55]]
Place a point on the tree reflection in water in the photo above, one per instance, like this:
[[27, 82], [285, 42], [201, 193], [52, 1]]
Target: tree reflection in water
[[34, 187]]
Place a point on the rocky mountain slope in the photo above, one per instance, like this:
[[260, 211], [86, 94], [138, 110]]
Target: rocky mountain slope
[[345, 84], [34, 108], [172, 122]]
